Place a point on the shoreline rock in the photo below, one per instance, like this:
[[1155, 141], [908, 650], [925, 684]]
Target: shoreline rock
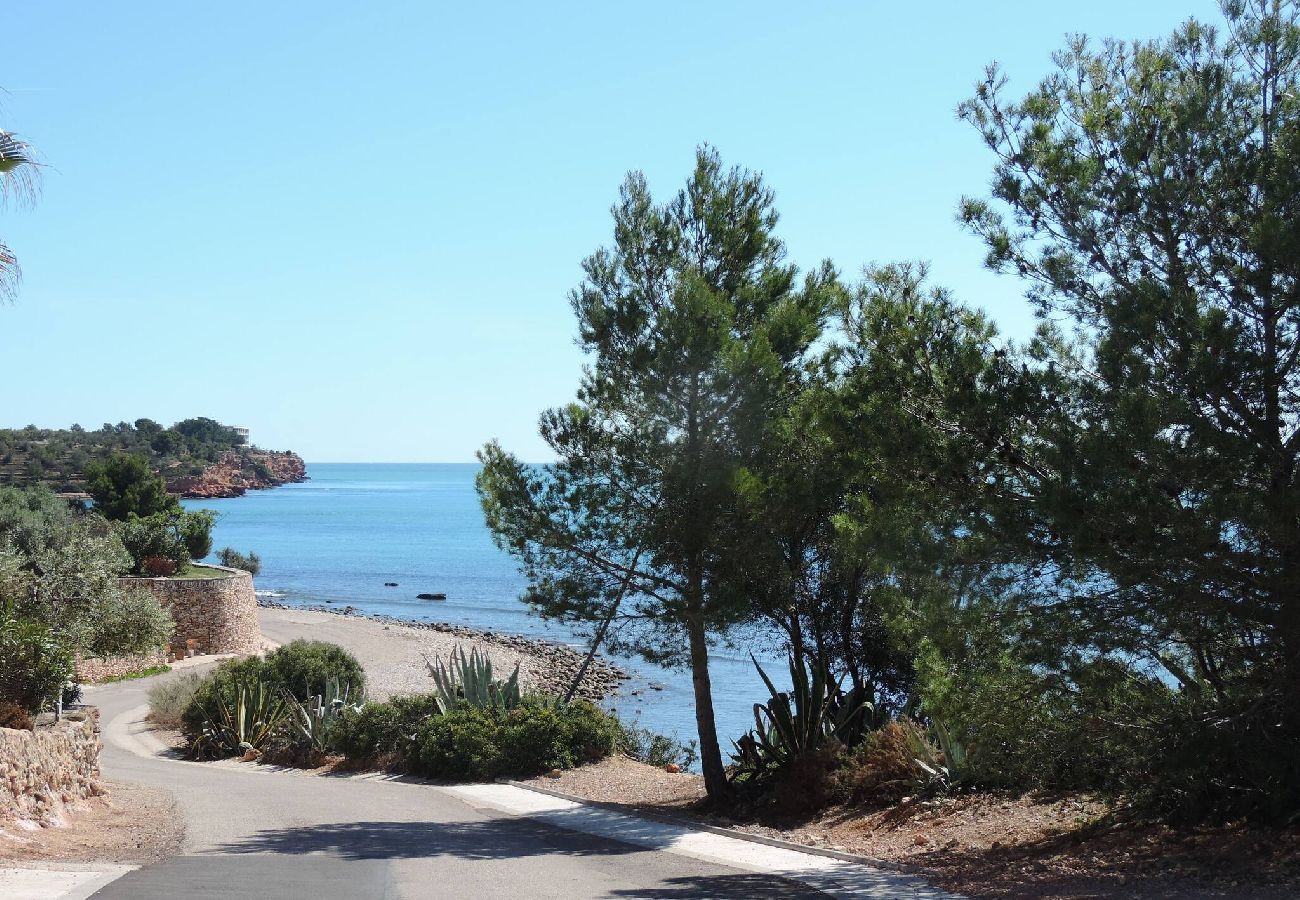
[[238, 471], [600, 682]]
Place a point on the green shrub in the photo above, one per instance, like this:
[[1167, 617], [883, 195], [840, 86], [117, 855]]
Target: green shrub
[[151, 537], [232, 558], [304, 668], [127, 622], [382, 729], [482, 743], [654, 749], [169, 699], [195, 530], [1026, 729], [462, 744], [34, 665]]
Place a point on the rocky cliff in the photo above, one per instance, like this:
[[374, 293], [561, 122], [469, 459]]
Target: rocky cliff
[[238, 471]]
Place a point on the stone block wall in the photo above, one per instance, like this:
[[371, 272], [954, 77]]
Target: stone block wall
[[42, 771], [94, 668], [219, 612]]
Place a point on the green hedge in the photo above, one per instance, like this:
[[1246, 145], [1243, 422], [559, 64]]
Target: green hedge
[[470, 743]]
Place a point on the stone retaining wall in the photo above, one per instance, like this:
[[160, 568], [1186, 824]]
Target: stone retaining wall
[[43, 770], [95, 668], [219, 612]]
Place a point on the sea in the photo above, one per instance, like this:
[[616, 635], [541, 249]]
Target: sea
[[335, 539]]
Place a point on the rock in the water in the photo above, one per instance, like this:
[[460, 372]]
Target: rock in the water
[[427, 596], [390, 584]]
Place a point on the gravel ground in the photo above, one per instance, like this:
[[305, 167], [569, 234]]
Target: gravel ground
[[622, 780], [132, 824], [992, 846], [393, 653]]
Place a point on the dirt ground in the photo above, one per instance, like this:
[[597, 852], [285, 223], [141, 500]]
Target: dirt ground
[[986, 845], [132, 824]]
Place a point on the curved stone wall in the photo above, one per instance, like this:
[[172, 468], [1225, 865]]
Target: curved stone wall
[[219, 612]]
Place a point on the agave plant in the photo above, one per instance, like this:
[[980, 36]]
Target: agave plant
[[468, 679], [248, 723], [315, 722], [813, 714]]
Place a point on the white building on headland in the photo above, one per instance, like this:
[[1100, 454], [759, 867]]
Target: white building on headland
[[242, 432]]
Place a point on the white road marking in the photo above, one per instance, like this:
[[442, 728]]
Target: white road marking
[[835, 877]]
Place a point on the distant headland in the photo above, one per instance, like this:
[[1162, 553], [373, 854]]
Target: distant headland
[[198, 457]]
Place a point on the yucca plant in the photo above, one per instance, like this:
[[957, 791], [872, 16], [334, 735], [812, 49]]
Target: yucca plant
[[248, 723], [468, 679], [814, 713], [315, 722]]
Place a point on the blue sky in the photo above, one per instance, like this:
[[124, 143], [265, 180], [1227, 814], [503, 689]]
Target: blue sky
[[353, 226]]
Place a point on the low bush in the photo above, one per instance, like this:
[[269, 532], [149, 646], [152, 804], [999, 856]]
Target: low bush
[[884, 768], [169, 699], [158, 566], [1027, 729], [304, 668], [301, 668], [479, 744], [14, 716], [384, 729], [654, 749]]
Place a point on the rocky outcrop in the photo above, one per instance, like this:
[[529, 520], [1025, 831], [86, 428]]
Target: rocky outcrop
[[238, 471]]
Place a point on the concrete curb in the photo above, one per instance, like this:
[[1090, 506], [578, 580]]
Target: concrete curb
[[685, 822], [58, 881]]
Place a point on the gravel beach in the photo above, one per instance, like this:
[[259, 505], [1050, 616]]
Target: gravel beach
[[393, 653]]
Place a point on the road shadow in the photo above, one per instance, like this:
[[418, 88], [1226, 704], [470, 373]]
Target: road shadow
[[485, 840], [758, 887]]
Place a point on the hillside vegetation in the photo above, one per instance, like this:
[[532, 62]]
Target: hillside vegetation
[[57, 458]]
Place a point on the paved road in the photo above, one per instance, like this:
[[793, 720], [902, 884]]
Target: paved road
[[280, 835]]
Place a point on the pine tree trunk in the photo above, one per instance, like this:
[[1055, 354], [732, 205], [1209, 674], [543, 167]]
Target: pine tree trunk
[[715, 776]]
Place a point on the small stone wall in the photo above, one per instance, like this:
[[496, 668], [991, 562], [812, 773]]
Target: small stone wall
[[219, 612], [43, 770], [95, 668]]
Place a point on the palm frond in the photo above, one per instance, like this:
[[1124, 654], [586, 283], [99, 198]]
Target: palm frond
[[19, 170], [10, 274]]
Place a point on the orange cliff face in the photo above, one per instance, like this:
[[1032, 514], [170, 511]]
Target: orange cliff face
[[238, 471]]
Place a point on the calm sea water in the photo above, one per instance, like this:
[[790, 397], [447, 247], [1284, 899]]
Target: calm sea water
[[350, 528]]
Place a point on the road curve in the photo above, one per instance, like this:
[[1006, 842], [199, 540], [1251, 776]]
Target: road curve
[[253, 833]]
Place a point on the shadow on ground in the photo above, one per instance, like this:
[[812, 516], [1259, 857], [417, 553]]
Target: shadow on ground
[[491, 839]]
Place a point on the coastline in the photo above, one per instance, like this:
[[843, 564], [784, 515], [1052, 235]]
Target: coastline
[[544, 666]]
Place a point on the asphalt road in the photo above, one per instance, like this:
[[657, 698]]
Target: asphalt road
[[258, 835]]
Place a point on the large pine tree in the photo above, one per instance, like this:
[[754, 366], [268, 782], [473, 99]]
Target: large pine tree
[[696, 326]]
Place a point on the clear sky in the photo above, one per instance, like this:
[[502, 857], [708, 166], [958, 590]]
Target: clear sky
[[352, 227]]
